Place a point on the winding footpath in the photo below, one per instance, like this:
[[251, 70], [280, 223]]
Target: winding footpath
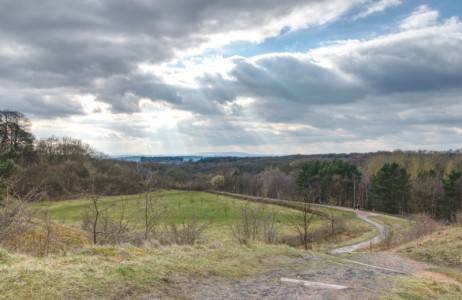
[[363, 215]]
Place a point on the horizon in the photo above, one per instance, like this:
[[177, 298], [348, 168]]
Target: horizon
[[245, 154], [267, 77]]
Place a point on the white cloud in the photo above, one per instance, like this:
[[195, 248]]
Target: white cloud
[[126, 82], [378, 6], [421, 18]]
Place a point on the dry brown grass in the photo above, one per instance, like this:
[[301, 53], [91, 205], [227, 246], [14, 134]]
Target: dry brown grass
[[41, 239], [442, 247], [400, 231], [125, 271]]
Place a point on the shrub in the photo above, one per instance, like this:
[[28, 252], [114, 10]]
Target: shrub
[[421, 224]]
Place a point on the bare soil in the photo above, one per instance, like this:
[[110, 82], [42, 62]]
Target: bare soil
[[366, 276]]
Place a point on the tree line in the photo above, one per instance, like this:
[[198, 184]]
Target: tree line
[[399, 182]]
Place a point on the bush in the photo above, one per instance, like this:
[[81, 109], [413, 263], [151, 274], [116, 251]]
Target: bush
[[421, 224], [324, 231], [254, 221], [184, 234]]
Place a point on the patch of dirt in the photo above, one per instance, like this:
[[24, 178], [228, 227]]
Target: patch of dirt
[[363, 281], [394, 262]]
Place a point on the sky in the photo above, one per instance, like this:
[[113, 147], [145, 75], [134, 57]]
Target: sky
[[264, 76]]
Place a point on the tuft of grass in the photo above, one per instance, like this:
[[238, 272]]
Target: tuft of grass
[[451, 273], [41, 239], [5, 257]]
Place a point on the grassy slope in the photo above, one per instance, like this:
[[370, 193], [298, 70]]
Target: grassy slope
[[114, 272], [177, 206], [108, 272], [443, 247]]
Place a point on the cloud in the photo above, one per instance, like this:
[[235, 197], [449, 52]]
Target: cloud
[[378, 6], [82, 45], [379, 89], [141, 72], [284, 85], [421, 18], [48, 105]]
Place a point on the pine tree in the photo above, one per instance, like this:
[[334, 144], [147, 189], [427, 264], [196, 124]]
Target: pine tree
[[390, 189]]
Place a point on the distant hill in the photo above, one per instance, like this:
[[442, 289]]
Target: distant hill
[[195, 156], [228, 154]]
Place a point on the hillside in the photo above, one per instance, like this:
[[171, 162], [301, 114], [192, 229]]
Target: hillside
[[443, 247]]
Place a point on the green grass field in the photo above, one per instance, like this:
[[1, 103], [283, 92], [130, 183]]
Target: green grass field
[[218, 211], [173, 206]]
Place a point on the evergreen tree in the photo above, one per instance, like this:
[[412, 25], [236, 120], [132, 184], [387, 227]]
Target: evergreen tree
[[331, 179], [7, 169], [390, 189], [453, 195]]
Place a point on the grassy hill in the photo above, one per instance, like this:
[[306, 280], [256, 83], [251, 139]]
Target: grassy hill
[[73, 268], [443, 247], [220, 213], [80, 270]]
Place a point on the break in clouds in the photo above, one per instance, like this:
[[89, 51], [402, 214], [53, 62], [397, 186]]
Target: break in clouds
[[150, 74]]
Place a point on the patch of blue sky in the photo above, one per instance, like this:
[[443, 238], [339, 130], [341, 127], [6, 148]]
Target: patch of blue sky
[[344, 28], [303, 40], [349, 26], [447, 8]]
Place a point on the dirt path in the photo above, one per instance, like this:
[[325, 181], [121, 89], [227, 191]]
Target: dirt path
[[363, 215], [311, 276], [375, 240]]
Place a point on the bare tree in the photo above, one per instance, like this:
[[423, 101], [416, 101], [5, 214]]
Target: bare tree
[[151, 212], [254, 221], [95, 207], [303, 217], [14, 131], [249, 225]]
